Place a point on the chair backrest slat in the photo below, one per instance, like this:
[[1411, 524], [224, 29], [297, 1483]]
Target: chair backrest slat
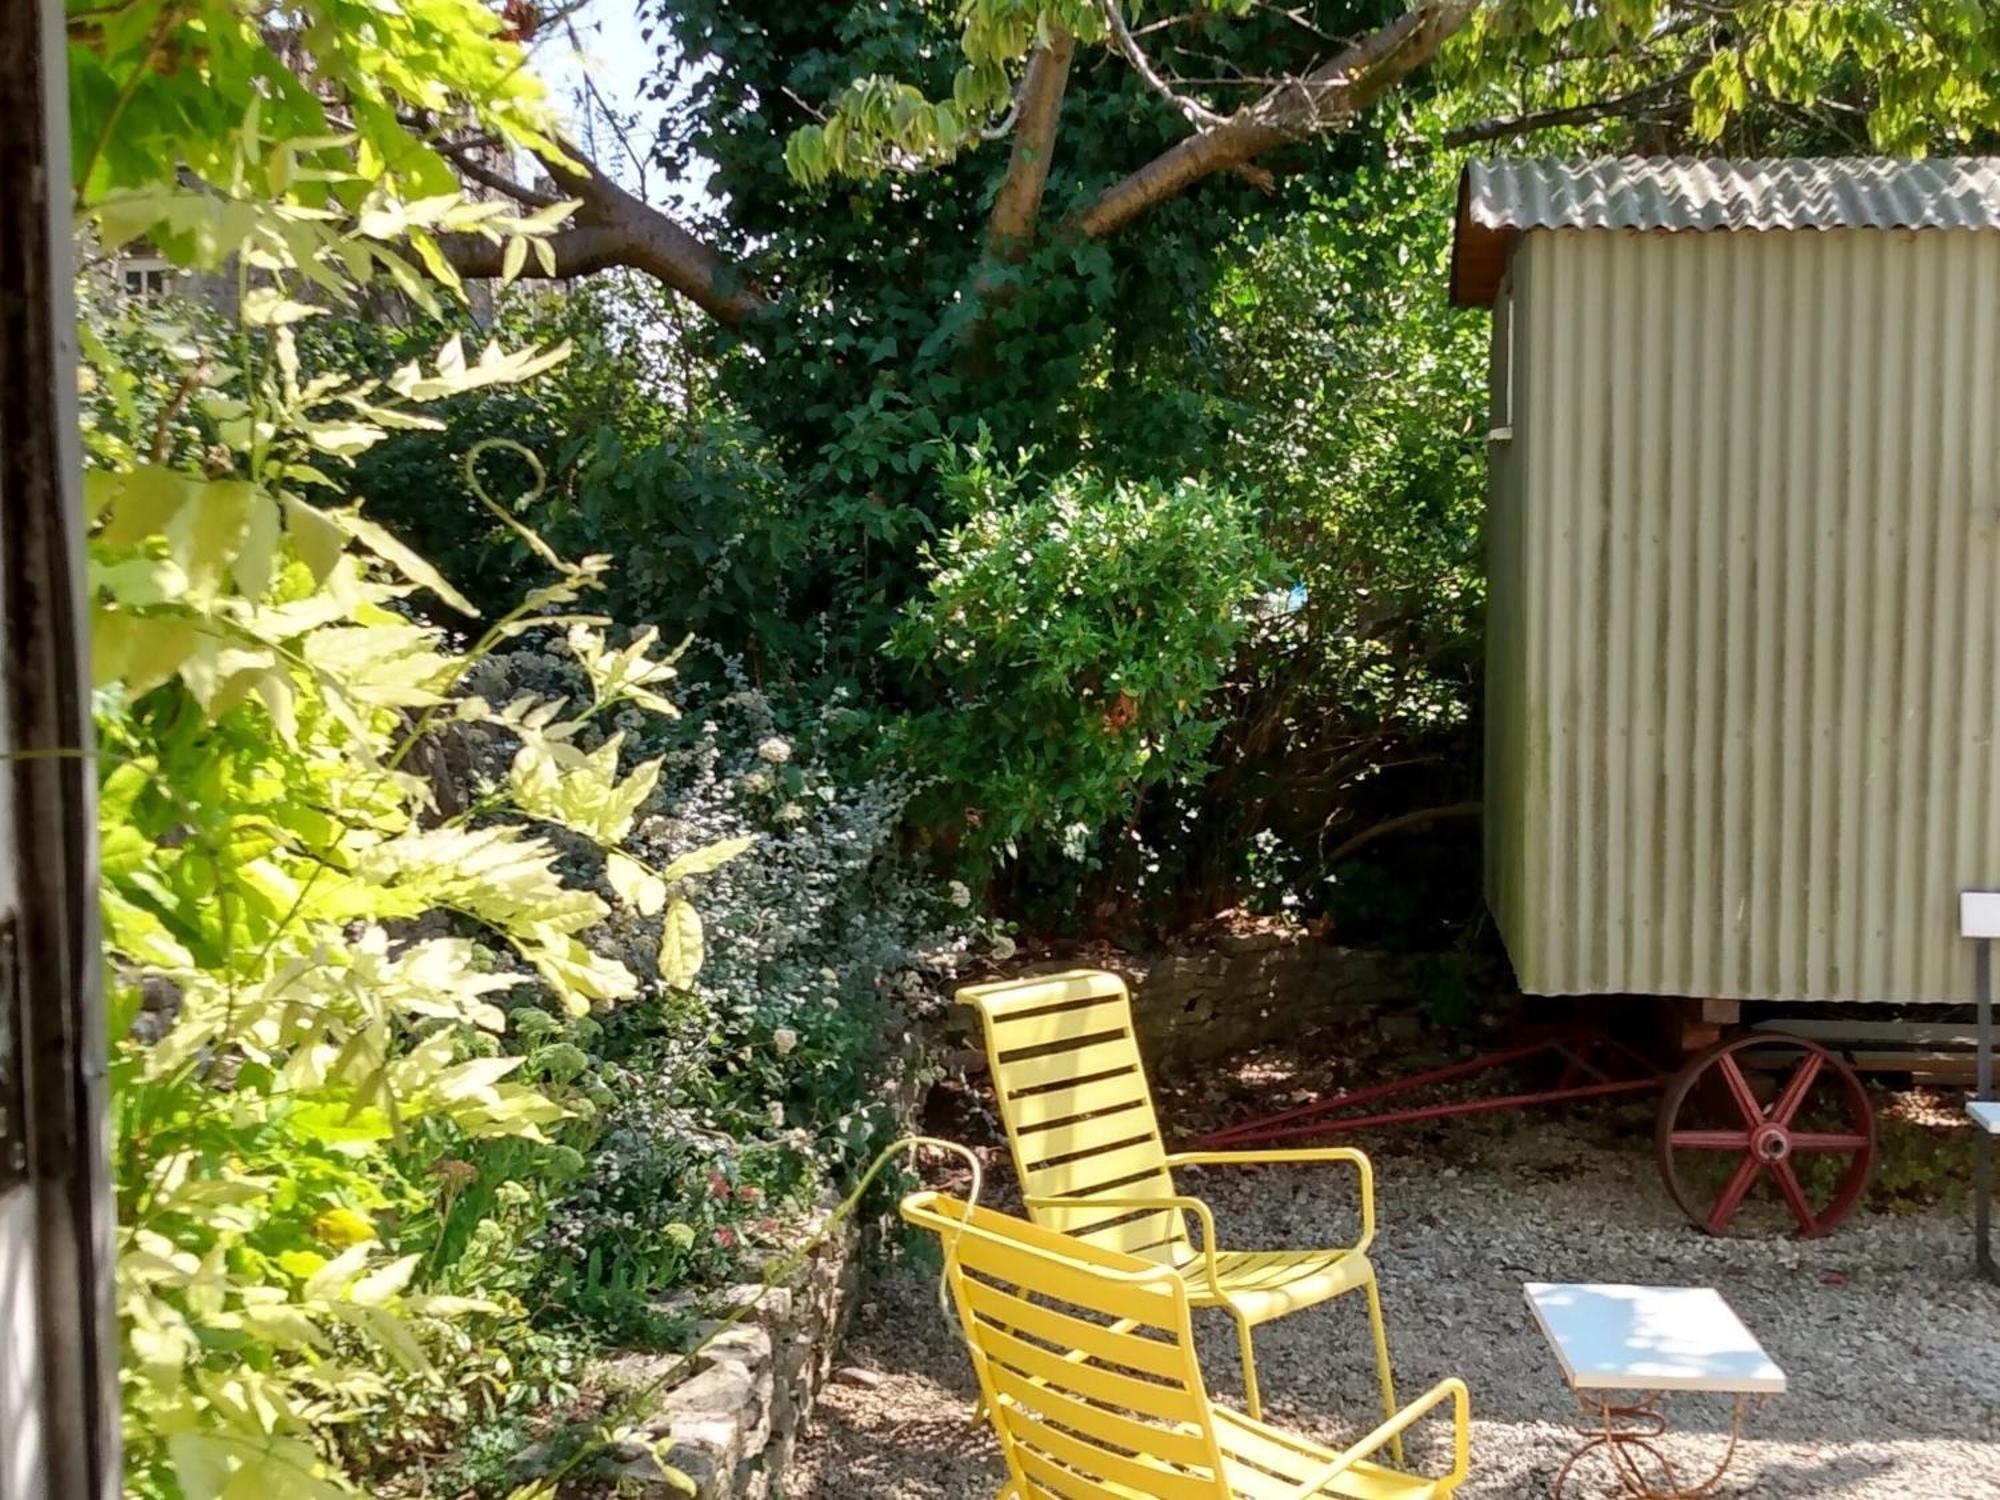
[[1079, 1113], [1085, 1356]]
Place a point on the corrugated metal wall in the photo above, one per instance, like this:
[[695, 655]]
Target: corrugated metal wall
[[1743, 666]]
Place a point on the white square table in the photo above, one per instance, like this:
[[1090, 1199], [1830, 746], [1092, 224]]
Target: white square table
[[1623, 1347]]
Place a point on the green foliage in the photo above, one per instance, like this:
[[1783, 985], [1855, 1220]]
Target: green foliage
[[634, 452], [307, 1056], [616, 392], [1914, 74], [1358, 405], [206, 126], [1077, 638], [894, 332], [309, 957], [878, 123], [1753, 77]]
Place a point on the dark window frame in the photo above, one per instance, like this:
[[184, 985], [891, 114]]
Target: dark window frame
[[52, 986]]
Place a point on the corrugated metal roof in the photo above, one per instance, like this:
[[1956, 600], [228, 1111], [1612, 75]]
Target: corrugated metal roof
[[1499, 199]]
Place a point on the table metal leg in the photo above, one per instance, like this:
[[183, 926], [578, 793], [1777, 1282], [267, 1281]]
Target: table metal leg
[[1622, 1433], [1982, 1204], [1982, 1147]]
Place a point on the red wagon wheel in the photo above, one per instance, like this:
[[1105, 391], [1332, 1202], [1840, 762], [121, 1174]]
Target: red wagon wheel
[[1766, 1108]]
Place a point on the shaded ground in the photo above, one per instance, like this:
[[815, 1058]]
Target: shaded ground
[[1891, 1343]]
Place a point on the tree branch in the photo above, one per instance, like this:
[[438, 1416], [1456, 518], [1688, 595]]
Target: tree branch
[[1193, 111], [466, 160], [1330, 95], [1577, 114], [1018, 204], [611, 228], [1399, 823]]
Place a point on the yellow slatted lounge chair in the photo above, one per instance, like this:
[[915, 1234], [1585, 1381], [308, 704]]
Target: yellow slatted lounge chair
[[1087, 1148], [1086, 1363]]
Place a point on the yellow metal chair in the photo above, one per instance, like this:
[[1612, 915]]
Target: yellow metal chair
[[1086, 1363], [1087, 1149]]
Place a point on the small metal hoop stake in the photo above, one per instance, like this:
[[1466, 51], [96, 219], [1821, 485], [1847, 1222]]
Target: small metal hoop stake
[[1636, 1425]]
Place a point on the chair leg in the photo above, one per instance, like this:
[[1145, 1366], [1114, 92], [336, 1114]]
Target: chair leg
[[1382, 1369], [1253, 1400]]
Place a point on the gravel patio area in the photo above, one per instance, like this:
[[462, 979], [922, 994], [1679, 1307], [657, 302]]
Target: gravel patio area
[[1891, 1343]]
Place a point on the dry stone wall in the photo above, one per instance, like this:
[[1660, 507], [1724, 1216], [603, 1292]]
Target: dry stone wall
[[1243, 990], [731, 1426]]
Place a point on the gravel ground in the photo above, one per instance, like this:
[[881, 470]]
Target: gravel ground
[[1891, 1343]]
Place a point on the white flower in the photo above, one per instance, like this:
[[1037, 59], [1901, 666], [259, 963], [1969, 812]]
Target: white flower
[[785, 1040], [829, 976], [1003, 947], [774, 750], [775, 1112], [791, 812], [757, 781], [960, 896]]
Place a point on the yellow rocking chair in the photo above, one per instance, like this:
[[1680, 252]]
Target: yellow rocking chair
[[1087, 1149], [1086, 1363]]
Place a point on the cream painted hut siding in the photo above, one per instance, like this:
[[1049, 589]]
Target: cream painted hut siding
[[1743, 673]]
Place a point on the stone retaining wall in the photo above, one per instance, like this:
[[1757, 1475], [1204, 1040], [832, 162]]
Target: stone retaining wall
[[730, 1427], [1254, 988], [1243, 991]]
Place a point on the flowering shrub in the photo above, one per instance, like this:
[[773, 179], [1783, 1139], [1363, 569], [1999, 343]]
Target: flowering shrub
[[1077, 639], [717, 1115]]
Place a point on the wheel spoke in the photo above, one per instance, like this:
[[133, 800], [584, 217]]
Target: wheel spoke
[[1796, 1089], [1795, 1196], [1732, 1196], [1819, 1140], [1710, 1140], [1739, 1088]]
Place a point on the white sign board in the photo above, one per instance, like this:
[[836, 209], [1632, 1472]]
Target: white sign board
[[1979, 914]]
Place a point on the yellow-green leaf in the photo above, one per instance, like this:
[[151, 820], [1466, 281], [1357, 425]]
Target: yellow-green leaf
[[681, 945], [709, 857], [380, 541], [319, 541], [634, 884]]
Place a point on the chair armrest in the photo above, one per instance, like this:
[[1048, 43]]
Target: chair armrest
[[1195, 1206], [1280, 1156], [1461, 1413]]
